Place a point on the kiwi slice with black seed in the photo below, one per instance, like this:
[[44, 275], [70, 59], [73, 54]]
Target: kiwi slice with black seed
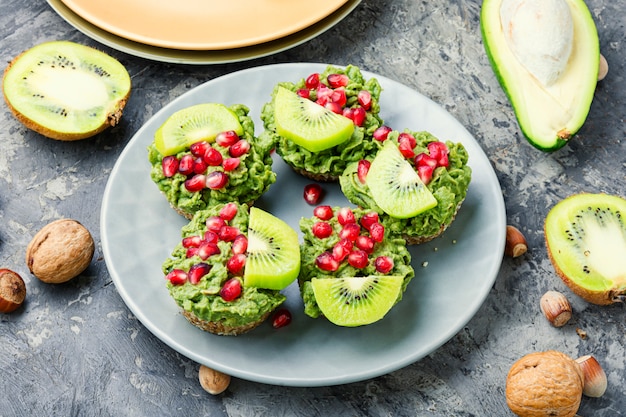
[[395, 185], [586, 240], [356, 301], [273, 254], [66, 91], [309, 124]]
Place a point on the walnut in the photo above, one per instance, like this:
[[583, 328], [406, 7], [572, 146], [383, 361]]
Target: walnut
[[12, 290], [544, 384], [60, 251]]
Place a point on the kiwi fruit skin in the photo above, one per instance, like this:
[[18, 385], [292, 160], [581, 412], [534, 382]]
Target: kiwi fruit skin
[[76, 51], [610, 292]]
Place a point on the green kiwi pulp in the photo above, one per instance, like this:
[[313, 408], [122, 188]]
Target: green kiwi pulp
[[309, 124], [586, 240], [66, 91], [273, 254], [356, 301], [194, 124], [395, 185]]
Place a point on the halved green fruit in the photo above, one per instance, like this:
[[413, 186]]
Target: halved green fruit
[[586, 240], [194, 124], [308, 124], [356, 301], [548, 115], [66, 91], [273, 255], [395, 185]]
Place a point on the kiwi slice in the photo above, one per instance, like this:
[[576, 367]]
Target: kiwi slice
[[66, 91], [395, 185], [586, 241], [309, 124], [273, 255], [194, 124], [356, 301]]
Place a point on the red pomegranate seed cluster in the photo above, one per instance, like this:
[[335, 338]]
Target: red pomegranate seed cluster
[[357, 239], [205, 246], [331, 93], [425, 162], [203, 155]]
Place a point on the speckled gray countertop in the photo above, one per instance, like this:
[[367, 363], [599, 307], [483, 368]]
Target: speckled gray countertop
[[77, 350]]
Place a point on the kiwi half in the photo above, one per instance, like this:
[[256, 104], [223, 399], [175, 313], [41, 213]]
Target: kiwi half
[[273, 255], [395, 185], [586, 240], [66, 91], [356, 301]]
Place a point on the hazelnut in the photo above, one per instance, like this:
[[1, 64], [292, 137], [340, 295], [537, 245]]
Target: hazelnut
[[214, 382], [542, 384], [594, 376], [556, 308], [12, 291], [603, 68], [60, 251], [515, 242]]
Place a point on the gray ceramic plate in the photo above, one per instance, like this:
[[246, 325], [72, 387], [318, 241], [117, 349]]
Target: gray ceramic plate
[[454, 273]]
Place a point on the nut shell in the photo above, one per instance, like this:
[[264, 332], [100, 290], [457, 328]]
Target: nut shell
[[543, 384], [214, 382], [12, 291], [556, 308], [60, 251]]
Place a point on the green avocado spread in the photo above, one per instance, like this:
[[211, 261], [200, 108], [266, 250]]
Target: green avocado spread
[[246, 183], [334, 160], [203, 299], [448, 186]]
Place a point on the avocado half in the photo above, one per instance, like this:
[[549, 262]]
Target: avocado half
[[548, 115]]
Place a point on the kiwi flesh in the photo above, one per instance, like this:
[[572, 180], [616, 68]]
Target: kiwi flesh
[[194, 124], [309, 124], [356, 301], [586, 240], [395, 185], [273, 255], [65, 90]]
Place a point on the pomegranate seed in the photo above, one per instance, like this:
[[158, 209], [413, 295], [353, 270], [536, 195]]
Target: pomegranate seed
[[326, 262], [443, 161], [437, 149], [365, 99], [228, 212], [363, 167], [207, 249], [240, 244], [313, 193], [423, 159], [185, 166], [304, 93], [199, 166], [177, 276], [169, 165], [425, 173], [312, 81], [196, 183], [345, 215], [211, 236], [197, 271], [191, 252], [342, 249], [334, 107], [230, 164], [198, 149], [408, 138], [215, 223], [365, 243], [337, 80], [381, 133], [231, 290], [227, 138], [322, 230], [192, 241], [323, 212], [358, 259], [239, 148], [350, 231], [216, 180], [339, 96], [383, 264], [406, 150], [323, 94], [212, 157], [368, 219], [348, 112], [228, 233], [281, 318], [236, 263], [359, 116], [377, 232]]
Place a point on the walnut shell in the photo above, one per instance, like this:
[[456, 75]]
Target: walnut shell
[[12, 290], [544, 384], [60, 251]]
